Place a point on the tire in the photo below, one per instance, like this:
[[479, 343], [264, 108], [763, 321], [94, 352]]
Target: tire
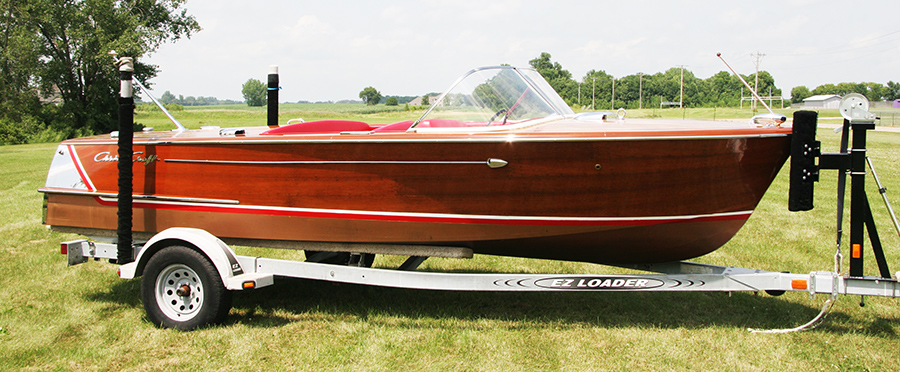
[[181, 289]]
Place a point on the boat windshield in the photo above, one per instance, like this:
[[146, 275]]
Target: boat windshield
[[495, 96]]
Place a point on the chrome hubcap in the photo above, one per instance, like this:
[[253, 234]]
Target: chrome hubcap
[[179, 292]]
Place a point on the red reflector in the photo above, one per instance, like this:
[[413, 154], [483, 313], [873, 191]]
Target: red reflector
[[856, 252], [64, 248]]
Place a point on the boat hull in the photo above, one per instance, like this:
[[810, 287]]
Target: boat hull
[[605, 199]]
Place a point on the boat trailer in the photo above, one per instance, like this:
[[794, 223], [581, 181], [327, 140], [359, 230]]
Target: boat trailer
[[189, 274], [179, 285]]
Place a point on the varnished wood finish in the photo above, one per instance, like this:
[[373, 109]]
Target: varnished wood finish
[[590, 195]]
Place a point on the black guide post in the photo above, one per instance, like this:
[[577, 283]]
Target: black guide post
[[272, 97], [124, 248], [804, 151]]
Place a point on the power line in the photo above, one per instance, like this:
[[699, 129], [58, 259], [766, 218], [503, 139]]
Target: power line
[[862, 44]]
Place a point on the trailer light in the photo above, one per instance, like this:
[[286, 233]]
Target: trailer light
[[249, 284], [799, 284], [856, 252], [64, 248]]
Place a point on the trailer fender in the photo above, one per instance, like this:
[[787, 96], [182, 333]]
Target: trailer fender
[[221, 256]]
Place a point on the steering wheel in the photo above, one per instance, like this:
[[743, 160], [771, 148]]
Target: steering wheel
[[498, 113]]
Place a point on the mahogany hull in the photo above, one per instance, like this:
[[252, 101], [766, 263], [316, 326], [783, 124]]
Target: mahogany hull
[[605, 199]]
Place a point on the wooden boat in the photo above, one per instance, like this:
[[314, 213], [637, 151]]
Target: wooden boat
[[499, 165]]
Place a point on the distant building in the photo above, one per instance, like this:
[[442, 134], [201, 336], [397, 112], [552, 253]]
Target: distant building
[[418, 101], [822, 101], [896, 103], [54, 98]]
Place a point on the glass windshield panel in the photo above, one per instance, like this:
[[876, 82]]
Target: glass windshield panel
[[542, 84], [491, 97]]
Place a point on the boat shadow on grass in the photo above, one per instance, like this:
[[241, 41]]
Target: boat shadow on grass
[[291, 300]]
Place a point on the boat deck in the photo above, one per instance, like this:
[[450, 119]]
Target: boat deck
[[553, 130]]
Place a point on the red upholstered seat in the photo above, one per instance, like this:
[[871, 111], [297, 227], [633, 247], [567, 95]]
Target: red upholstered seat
[[396, 127], [321, 126], [430, 123], [441, 123]]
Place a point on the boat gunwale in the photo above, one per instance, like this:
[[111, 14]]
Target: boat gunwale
[[366, 138]]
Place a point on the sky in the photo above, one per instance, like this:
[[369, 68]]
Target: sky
[[331, 50]]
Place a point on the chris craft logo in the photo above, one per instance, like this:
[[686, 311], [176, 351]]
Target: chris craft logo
[[106, 156], [599, 282]]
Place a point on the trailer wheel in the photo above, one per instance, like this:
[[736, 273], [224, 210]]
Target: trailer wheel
[[181, 289]]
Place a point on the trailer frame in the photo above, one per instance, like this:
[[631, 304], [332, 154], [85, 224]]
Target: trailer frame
[[238, 273]]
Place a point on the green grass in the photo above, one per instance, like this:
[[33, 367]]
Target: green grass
[[54, 317]]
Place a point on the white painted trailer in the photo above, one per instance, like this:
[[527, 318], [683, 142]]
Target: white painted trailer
[[188, 275]]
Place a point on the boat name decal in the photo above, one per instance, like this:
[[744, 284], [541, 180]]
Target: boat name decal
[[599, 282], [106, 156]]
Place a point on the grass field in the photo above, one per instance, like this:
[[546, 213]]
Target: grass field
[[59, 318]]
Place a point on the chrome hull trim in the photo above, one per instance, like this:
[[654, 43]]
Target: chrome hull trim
[[113, 197]]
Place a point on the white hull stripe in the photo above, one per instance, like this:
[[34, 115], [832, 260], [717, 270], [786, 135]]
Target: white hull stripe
[[429, 217], [80, 168]]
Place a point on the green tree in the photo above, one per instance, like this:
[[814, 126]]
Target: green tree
[[391, 101], [20, 106], [722, 90], [826, 89], [167, 98], [893, 91], [254, 92], [559, 78], [370, 96], [876, 91], [59, 48], [798, 94], [596, 87]]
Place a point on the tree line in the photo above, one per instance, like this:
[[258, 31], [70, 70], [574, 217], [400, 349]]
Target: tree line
[[723, 89], [602, 91], [56, 77], [167, 98]]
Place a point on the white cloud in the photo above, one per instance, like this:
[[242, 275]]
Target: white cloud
[[332, 50]]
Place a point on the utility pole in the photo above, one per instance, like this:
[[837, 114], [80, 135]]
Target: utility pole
[[681, 100], [612, 103], [756, 55], [641, 91], [593, 92]]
